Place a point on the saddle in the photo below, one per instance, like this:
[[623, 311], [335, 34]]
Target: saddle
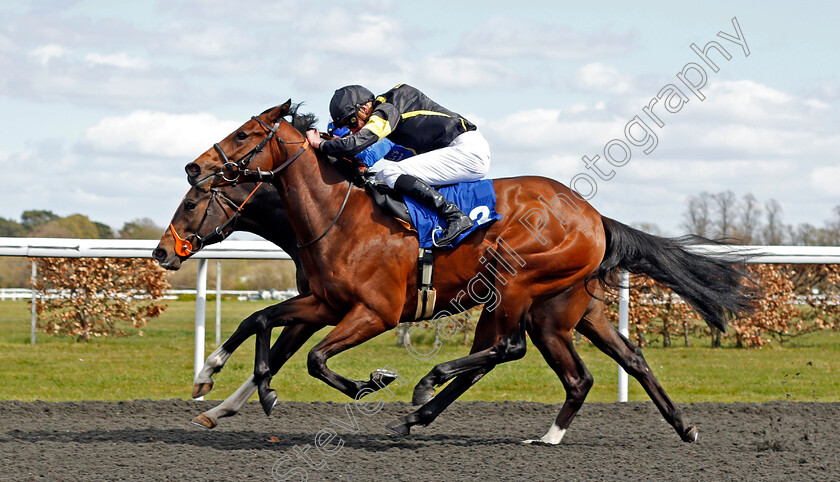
[[389, 200]]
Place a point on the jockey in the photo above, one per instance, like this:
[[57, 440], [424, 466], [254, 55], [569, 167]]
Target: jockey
[[449, 148]]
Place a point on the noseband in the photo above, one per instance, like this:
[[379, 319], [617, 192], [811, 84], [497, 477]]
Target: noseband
[[239, 168], [184, 247]]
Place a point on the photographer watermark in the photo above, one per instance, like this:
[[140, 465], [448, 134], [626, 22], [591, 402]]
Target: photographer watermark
[[671, 99], [327, 442]]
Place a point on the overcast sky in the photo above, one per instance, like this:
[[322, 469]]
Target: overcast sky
[[104, 102]]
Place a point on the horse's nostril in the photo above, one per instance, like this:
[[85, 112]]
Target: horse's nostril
[[159, 254], [192, 169]]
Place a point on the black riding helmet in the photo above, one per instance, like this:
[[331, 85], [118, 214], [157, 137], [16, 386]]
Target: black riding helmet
[[346, 102]]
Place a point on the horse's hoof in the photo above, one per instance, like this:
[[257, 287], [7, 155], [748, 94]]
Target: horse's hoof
[[382, 377], [204, 421], [398, 428], [201, 389], [422, 397], [269, 401], [690, 435]]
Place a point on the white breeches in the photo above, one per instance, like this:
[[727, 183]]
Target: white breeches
[[466, 158]]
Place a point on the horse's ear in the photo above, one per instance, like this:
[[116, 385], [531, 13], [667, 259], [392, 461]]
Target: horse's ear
[[277, 112], [282, 110]]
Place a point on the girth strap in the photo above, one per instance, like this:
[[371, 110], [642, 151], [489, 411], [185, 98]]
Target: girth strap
[[426, 294]]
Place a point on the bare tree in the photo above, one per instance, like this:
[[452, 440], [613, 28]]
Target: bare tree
[[698, 217], [750, 219], [832, 227], [726, 204], [650, 228], [806, 234], [774, 229]]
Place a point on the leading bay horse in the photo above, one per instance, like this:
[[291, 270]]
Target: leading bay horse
[[537, 269], [204, 218]]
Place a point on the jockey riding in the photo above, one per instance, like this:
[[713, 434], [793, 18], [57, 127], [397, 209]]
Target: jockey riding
[[449, 149]]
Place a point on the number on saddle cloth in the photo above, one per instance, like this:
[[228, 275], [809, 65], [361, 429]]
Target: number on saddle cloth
[[477, 199]]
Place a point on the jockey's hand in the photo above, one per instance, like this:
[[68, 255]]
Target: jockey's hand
[[314, 138]]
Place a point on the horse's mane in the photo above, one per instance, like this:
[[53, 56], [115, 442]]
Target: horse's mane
[[304, 122], [301, 122]]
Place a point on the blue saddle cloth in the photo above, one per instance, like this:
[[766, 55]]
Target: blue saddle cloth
[[476, 199]]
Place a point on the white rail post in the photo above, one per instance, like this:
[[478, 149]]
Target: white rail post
[[34, 323], [623, 328], [218, 302], [200, 307]]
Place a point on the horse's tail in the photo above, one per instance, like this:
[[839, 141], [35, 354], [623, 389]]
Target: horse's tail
[[714, 285]]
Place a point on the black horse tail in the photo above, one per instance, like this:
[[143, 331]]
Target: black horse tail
[[714, 285]]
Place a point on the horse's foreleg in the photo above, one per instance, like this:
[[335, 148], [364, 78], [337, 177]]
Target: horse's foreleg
[[359, 325], [203, 382], [289, 342], [598, 329], [299, 310]]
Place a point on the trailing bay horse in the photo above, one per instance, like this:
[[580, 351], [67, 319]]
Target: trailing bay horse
[[205, 218], [534, 271]]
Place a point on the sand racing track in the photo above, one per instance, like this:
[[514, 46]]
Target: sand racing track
[[153, 440]]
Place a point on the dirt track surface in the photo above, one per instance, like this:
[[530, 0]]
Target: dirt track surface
[[140, 440]]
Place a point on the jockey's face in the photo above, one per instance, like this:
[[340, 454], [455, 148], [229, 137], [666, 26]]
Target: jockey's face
[[362, 117]]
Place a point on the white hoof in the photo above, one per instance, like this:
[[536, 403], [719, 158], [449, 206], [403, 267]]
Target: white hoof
[[212, 365], [552, 437]]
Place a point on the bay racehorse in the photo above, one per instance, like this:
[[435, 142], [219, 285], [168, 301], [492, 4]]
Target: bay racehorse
[[204, 218], [534, 271]]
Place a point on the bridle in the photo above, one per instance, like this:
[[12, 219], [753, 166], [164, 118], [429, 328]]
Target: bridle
[[184, 247], [239, 168]]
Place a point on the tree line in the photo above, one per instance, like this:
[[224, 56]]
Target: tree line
[[748, 221], [236, 274], [46, 224], [719, 215]]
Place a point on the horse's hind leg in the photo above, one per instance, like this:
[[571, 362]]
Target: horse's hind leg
[[203, 382], [507, 349], [603, 335], [552, 323], [481, 360], [430, 410], [289, 341]]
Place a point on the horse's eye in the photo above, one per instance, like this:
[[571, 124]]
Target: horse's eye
[[241, 136], [189, 205]]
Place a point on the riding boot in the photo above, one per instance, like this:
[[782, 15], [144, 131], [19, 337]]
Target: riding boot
[[456, 221]]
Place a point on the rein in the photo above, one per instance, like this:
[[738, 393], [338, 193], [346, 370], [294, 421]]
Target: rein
[[239, 168], [335, 219], [184, 247]]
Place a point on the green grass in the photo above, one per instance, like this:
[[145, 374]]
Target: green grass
[[158, 365]]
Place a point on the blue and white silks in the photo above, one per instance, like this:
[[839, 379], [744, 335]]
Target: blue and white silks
[[477, 199]]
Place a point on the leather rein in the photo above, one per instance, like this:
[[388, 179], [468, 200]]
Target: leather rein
[[184, 247], [240, 168]]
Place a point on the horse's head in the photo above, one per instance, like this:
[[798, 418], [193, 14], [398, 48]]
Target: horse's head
[[248, 147], [202, 218]]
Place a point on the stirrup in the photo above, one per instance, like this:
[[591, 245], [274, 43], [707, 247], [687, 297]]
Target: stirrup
[[434, 239], [459, 233]]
